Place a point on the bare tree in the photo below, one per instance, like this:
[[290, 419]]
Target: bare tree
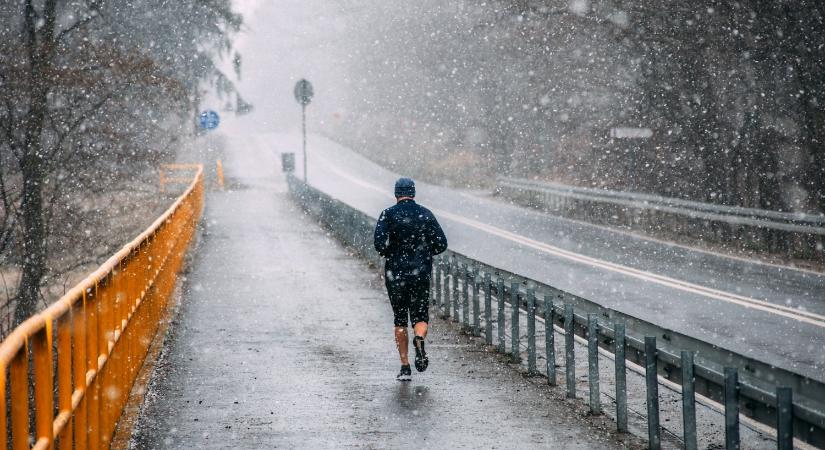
[[733, 91], [98, 90]]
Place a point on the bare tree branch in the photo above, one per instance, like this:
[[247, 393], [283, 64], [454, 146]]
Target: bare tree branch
[[94, 108], [80, 23]]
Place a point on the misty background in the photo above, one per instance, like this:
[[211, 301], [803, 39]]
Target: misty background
[[458, 92], [95, 96]]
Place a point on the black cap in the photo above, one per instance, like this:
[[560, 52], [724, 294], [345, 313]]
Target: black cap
[[405, 187]]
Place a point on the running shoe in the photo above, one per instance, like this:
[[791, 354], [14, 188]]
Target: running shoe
[[421, 361], [405, 374]]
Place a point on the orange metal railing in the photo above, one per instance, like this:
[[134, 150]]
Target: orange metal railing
[[94, 340], [176, 174]]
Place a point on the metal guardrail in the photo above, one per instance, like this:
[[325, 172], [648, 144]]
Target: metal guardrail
[[744, 385], [795, 233], [690, 207], [103, 326]]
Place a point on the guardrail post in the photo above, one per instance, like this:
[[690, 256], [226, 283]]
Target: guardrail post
[[688, 401], [731, 408], [476, 308], [433, 276], [446, 290], [651, 376], [621, 377], [531, 332], [488, 313], [465, 298], [569, 351], [442, 283], [515, 349], [593, 363], [456, 282], [437, 299], [502, 326], [549, 340], [784, 418]]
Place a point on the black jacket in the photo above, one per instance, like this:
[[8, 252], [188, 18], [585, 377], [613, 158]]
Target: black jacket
[[408, 236]]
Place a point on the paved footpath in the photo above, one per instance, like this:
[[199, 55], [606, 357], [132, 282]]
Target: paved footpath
[[284, 340]]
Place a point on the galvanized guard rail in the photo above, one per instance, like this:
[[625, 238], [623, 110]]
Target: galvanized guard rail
[[103, 328], [793, 404], [799, 235]]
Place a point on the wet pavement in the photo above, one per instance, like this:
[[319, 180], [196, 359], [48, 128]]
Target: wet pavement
[[284, 340]]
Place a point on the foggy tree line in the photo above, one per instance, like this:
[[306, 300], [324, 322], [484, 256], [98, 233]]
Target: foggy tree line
[[92, 93], [733, 92]]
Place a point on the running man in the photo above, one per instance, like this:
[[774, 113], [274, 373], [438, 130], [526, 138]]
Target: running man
[[407, 236]]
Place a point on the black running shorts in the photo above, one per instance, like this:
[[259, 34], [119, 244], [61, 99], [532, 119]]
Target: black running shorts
[[410, 300]]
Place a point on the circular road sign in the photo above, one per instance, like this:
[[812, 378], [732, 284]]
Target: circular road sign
[[209, 120], [303, 92]]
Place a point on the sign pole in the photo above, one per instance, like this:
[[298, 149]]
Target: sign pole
[[303, 95], [632, 133], [304, 132], [208, 121]]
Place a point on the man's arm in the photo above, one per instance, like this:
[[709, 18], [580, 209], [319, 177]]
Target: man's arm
[[381, 236], [435, 236]]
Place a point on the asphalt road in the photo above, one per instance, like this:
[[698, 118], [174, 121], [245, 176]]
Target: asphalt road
[[284, 340], [772, 313]]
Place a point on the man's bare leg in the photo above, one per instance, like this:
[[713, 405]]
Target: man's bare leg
[[402, 343], [421, 361], [421, 329]]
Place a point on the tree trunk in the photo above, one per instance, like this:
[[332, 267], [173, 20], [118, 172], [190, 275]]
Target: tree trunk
[[34, 239], [41, 51], [34, 228]]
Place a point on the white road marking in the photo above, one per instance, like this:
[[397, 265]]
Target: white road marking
[[792, 313]]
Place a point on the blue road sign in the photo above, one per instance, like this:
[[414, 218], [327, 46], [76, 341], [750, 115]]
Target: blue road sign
[[209, 120]]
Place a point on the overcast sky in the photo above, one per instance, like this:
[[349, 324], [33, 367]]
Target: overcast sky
[[284, 41]]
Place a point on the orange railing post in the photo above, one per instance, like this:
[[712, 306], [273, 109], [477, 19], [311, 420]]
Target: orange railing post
[[92, 369], [104, 326], [43, 398], [64, 380], [219, 169], [79, 375], [4, 435], [20, 399]]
